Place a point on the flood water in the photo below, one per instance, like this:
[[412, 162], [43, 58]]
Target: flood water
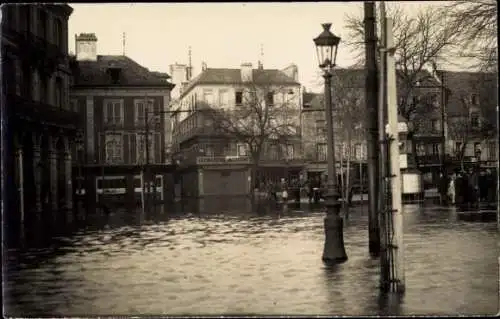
[[249, 264]]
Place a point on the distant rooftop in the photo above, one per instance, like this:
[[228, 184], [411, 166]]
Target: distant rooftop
[[95, 73], [233, 76]]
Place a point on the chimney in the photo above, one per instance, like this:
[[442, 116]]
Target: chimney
[[292, 71], [246, 72], [86, 47], [203, 66]]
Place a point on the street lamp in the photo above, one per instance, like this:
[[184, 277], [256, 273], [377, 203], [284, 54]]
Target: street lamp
[[334, 251]]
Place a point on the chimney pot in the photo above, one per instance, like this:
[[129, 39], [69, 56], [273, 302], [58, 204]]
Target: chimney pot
[[246, 72]]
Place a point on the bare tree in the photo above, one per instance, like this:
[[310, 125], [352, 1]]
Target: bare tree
[[267, 114], [476, 24], [420, 41], [349, 119]]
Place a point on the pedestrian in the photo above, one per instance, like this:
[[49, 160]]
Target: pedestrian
[[483, 186], [451, 189], [296, 191], [443, 184], [284, 194], [317, 190], [310, 190]]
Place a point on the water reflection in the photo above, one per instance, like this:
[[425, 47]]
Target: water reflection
[[250, 263]]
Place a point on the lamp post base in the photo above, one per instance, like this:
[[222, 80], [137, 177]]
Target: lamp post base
[[334, 251]]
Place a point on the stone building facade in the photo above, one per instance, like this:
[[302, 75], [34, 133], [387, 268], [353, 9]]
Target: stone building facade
[[124, 106], [40, 126], [471, 117], [212, 164]]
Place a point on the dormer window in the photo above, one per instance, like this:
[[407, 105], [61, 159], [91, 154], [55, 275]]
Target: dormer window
[[114, 73]]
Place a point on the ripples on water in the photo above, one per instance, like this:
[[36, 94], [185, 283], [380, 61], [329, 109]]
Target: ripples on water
[[255, 265]]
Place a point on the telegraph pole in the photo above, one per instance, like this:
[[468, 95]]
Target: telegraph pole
[[372, 138], [394, 248]]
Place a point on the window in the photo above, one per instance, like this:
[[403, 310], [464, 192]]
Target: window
[[239, 98], [421, 149], [142, 148], [474, 120], [59, 93], [436, 149], [241, 150], [141, 110], [320, 128], [358, 151], [458, 147], [436, 126], [114, 148], [492, 151], [113, 112], [477, 147], [58, 33], [289, 151], [208, 97], [270, 98], [158, 148], [321, 152], [223, 98], [474, 99]]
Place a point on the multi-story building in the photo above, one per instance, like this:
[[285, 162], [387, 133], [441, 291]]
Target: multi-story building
[[349, 121], [471, 118], [39, 124], [217, 164], [124, 105]]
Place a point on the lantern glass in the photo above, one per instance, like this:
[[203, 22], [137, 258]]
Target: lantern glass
[[326, 47]]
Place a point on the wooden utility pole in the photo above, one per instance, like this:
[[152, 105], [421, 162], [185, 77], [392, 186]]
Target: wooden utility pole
[[394, 245], [382, 154], [372, 138]]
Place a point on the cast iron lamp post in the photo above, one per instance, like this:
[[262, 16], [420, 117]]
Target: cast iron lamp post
[[334, 251]]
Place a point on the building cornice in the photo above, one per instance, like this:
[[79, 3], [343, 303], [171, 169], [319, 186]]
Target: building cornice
[[235, 85], [113, 91]]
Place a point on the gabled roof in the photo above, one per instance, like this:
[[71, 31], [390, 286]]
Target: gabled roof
[[95, 73], [233, 76]]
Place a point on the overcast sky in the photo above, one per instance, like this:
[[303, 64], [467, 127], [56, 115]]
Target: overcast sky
[[221, 34]]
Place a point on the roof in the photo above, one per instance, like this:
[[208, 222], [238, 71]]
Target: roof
[[233, 76], [161, 74], [95, 73]]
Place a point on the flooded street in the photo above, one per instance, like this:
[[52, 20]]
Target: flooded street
[[223, 264]]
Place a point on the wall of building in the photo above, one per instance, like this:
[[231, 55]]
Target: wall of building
[[91, 102]]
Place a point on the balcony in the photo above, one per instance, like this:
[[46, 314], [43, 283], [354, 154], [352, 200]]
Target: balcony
[[41, 113], [204, 160], [433, 159]]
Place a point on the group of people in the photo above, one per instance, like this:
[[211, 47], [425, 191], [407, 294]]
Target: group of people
[[313, 188], [468, 187]]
